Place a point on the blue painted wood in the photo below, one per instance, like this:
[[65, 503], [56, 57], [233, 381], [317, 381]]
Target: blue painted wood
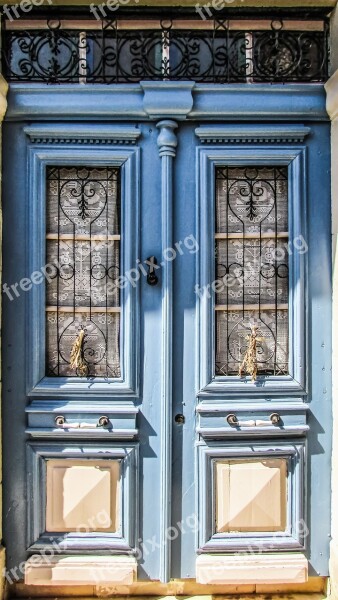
[[87, 133], [207, 384], [259, 103], [167, 99], [313, 195], [232, 134], [132, 102], [167, 143], [212, 419], [122, 541], [40, 156], [319, 322], [41, 416], [167, 190], [184, 478], [293, 537]]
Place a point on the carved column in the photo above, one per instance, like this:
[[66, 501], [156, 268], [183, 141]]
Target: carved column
[[167, 143]]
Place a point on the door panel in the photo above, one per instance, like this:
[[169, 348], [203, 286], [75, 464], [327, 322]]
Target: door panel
[[53, 473], [250, 495], [77, 490], [152, 443], [260, 500]]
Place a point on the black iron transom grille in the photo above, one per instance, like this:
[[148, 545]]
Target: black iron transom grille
[[251, 267], [124, 50], [83, 253]]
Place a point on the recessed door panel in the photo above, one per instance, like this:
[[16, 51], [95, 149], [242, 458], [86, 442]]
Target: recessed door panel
[[83, 496], [251, 495]]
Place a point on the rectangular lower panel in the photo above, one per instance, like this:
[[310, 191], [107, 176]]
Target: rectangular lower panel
[[80, 570], [234, 569]]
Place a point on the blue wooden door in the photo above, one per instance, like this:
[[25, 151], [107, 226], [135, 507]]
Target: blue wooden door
[[167, 322]]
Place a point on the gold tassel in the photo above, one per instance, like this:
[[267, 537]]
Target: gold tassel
[[249, 363], [76, 356]]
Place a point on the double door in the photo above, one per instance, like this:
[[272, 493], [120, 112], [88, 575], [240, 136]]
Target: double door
[[166, 346]]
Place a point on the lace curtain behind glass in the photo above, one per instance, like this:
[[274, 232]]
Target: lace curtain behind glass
[[252, 267], [83, 254]]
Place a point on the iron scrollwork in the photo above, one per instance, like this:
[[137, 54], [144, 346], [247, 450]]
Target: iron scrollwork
[[219, 53], [82, 292], [251, 271]]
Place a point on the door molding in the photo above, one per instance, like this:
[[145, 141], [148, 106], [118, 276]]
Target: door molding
[[39, 158], [124, 540], [87, 133], [293, 537], [208, 159]]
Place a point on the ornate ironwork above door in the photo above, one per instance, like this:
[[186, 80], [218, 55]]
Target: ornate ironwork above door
[[236, 50]]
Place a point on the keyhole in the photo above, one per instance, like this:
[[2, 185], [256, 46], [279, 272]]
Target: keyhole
[[180, 419]]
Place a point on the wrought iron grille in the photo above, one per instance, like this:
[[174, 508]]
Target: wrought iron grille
[[83, 248], [209, 51], [252, 268]]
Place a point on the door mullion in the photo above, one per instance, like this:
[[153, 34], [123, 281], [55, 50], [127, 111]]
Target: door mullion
[[167, 143]]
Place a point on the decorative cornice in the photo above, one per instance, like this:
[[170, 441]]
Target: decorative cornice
[[258, 102], [216, 134], [167, 140], [331, 88], [83, 134], [168, 99]]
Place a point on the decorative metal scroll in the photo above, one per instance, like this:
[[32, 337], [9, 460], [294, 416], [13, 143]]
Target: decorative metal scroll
[[82, 295], [252, 268], [222, 51]]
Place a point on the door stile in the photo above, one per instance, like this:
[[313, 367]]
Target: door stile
[[167, 143]]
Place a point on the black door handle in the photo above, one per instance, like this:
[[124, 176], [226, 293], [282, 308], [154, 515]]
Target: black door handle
[[152, 278]]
